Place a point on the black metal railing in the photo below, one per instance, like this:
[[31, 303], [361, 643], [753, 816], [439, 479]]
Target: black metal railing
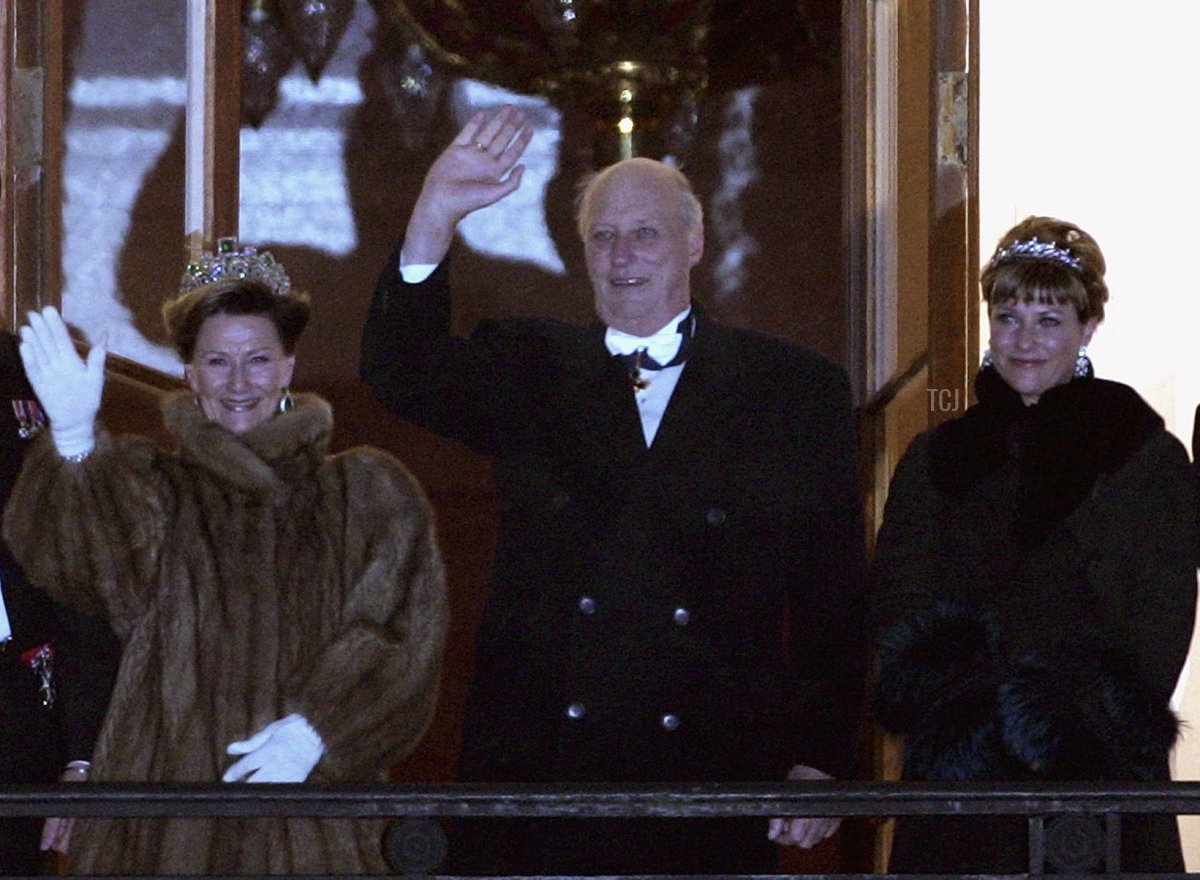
[[415, 845]]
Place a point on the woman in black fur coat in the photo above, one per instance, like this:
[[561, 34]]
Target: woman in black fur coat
[[1034, 575]]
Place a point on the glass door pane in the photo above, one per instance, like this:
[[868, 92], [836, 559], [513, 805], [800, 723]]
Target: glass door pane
[[123, 172]]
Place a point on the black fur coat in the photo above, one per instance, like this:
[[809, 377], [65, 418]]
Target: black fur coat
[[1034, 593]]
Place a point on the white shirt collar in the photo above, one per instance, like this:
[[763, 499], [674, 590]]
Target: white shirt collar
[[662, 345], [5, 624]]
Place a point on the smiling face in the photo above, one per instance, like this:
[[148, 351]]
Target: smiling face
[[640, 248], [238, 370], [1034, 344]]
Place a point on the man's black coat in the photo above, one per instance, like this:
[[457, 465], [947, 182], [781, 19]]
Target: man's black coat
[[690, 611]]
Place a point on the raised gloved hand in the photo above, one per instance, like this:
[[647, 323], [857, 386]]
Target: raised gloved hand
[[284, 751], [68, 387]]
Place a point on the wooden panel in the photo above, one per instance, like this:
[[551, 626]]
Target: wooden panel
[[6, 33], [920, 312], [30, 155], [50, 207], [914, 114], [935, 230], [213, 125], [856, 176], [953, 310], [223, 103], [132, 396]]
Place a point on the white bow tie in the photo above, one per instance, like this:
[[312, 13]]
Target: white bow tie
[[662, 346]]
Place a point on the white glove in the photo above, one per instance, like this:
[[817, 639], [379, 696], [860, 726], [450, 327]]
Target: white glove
[[803, 831], [284, 751], [68, 387]]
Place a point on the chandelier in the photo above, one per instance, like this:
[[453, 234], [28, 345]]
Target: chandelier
[[636, 69], [277, 32]]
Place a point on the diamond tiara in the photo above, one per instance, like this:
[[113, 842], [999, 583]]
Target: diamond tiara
[[1032, 249], [230, 261]]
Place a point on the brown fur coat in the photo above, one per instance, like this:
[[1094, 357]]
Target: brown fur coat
[[248, 577]]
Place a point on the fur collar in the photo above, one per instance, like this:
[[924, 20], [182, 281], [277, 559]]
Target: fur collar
[[266, 459], [1074, 434]]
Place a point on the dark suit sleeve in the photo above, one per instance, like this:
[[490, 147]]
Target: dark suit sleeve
[[417, 368], [86, 651], [828, 615], [88, 656], [1137, 532]]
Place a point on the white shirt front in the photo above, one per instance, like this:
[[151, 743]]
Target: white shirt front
[[652, 400], [655, 395], [5, 625]]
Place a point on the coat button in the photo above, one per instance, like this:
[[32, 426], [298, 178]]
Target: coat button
[[670, 721], [587, 605], [681, 616], [575, 711], [714, 516]]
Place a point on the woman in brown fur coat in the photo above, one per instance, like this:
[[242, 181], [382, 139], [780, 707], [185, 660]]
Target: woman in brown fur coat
[[282, 611]]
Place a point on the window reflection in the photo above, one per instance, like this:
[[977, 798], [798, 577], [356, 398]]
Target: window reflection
[[293, 179], [294, 185], [328, 178], [124, 108]]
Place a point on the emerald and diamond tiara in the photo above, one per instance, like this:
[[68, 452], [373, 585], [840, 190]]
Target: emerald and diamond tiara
[[230, 261]]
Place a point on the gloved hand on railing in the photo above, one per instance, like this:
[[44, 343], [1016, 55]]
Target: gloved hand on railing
[[284, 751], [803, 831], [67, 386]]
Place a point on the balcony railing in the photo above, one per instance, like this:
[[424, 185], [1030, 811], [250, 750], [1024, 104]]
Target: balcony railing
[[415, 844]]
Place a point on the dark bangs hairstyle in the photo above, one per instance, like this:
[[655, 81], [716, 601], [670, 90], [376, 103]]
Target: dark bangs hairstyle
[[184, 315]]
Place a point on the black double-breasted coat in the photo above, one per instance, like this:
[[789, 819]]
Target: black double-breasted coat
[[687, 611]]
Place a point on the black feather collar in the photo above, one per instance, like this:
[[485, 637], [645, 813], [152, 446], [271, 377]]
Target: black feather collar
[[1074, 433]]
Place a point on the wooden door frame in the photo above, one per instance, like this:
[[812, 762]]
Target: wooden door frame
[[911, 228], [32, 151], [31, 95], [213, 150], [884, 358], [954, 250]]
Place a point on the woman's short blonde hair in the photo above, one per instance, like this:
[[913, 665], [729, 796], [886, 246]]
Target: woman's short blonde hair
[[1044, 259]]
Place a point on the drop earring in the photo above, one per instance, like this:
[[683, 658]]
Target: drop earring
[[987, 359], [286, 403], [1083, 364]]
